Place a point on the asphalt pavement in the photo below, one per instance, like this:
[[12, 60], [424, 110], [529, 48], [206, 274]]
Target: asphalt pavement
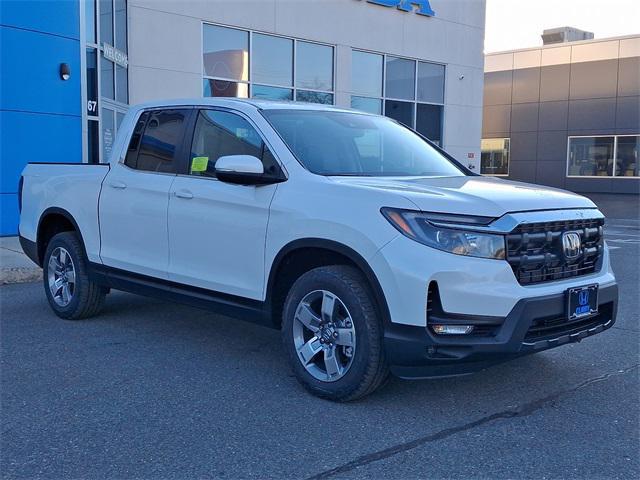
[[156, 390]]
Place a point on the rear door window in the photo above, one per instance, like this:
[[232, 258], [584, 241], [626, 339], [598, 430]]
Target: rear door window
[[156, 141]]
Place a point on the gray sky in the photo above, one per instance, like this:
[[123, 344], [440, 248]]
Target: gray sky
[[515, 24]]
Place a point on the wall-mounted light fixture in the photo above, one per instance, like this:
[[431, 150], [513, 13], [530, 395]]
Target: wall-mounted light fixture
[[65, 71]]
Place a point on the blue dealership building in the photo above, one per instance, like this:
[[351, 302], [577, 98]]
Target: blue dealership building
[[40, 112], [49, 86]]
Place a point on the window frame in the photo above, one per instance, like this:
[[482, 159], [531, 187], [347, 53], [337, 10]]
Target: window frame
[[615, 156], [383, 99], [250, 82], [508, 159], [191, 131]]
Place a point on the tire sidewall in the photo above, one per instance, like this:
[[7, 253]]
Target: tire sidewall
[[365, 328]]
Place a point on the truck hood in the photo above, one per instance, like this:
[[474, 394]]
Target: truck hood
[[483, 196]]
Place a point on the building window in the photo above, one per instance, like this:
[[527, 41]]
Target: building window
[[494, 157], [603, 156], [107, 83], [409, 91], [241, 63], [314, 66], [628, 156], [272, 60]]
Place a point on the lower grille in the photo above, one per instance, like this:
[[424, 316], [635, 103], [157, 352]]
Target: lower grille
[[536, 255], [548, 328]]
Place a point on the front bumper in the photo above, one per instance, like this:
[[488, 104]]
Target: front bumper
[[415, 352]]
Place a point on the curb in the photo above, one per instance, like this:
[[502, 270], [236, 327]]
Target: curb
[[20, 275]]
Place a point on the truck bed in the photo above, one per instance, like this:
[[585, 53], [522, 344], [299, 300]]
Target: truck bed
[[59, 188]]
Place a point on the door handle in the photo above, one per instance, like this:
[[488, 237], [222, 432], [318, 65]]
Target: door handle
[[117, 184], [183, 194]]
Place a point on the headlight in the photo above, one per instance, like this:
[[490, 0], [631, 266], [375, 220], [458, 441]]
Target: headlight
[[427, 229]]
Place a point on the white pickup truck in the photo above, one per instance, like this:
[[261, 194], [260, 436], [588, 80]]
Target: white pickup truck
[[372, 249]]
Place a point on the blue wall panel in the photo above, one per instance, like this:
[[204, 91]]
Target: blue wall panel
[[40, 114], [58, 17], [28, 137], [30, 78], [8, 213]]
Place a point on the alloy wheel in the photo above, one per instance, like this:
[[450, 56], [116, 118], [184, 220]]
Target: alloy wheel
[[324, 335], [61, 276]]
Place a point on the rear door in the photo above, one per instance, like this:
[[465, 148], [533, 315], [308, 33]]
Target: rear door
[[135, 195], [217, 230]]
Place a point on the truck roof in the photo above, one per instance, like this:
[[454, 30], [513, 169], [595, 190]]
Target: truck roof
[[239, 103]]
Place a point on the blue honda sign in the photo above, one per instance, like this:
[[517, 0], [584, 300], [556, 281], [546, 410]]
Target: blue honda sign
[[422, 7]]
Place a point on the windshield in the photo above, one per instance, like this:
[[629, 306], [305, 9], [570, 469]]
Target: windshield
[[345, 143]]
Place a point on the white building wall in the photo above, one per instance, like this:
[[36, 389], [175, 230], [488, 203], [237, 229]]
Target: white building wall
[[165, 47]]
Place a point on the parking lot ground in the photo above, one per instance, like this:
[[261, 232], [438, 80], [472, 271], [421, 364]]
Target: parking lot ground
[[156, 390]]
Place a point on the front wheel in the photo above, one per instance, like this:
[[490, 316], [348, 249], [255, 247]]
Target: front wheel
[[332, 333], [71, 294]]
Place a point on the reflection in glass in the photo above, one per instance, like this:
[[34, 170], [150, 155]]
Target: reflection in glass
[[90, 20], [161, 139], [366, 73], [314, 66], [370, 105], [314, 97], [429, 122], [591, 156], [106, 21], [106, 78], [226, 52], [108, 133], [494, 157], [121, 25], [92, 82], [271, 93], [225, 88], [122, 85], [93, 142], [272, 60], [628, 156], [400, 78], [400, 111], [352, 143], [430, 82]]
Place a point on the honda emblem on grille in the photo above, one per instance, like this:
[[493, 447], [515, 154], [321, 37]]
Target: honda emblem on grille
[[571, 244]]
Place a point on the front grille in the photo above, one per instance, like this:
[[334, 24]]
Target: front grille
[[548, 328], [535, 252]]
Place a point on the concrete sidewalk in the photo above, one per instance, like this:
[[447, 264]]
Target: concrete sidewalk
[[15, 266]]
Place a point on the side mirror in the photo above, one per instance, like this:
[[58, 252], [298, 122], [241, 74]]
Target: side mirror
[[241, 169]]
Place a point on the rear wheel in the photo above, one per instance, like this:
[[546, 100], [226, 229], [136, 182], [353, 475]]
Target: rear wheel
[[333, 335], [71, 294]]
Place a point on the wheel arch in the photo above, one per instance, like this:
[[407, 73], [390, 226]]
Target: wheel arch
[[325, 252], [54, 220]]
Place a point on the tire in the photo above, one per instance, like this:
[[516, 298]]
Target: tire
[[330, 372], [83, 298]]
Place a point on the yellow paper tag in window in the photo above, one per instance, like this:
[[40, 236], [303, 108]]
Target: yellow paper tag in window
[[199, 164]]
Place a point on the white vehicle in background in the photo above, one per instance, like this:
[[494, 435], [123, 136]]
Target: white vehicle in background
[[371, 248]]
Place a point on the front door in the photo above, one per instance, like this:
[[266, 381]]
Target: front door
[[217, 230], [135, 195]]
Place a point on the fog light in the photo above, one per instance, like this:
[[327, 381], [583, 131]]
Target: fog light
[[452, 329]]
